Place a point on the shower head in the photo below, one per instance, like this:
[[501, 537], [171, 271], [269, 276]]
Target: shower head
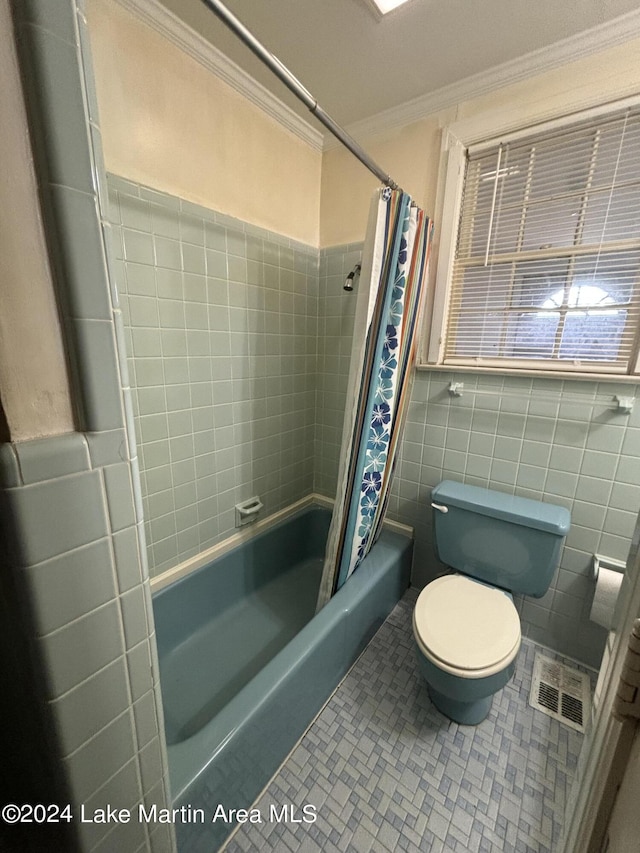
[[348, 285]]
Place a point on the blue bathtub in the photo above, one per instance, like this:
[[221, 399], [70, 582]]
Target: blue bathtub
[[246, 665]]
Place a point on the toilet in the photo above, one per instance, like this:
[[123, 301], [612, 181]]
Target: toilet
[[465, 624]]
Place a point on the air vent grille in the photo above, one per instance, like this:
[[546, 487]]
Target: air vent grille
[[560, 692]]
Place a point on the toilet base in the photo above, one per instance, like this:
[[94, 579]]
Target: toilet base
[[465, 713], [464, 700]]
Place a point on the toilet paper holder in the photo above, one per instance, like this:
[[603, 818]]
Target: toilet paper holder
[[606, 563]]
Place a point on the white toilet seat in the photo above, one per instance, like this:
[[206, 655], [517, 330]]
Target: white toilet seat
[[465, 627]]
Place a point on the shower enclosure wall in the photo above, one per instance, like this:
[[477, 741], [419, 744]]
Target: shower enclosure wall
[[238, 346]]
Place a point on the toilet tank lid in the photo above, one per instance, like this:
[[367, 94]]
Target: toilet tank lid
[[517, 510]]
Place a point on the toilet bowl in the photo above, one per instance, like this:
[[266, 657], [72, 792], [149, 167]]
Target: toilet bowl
[[467, 638], [465, 624]]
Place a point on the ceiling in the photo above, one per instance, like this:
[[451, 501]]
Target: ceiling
[[356, 65]]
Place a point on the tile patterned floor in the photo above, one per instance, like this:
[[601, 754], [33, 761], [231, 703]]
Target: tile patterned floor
[[386, 771]]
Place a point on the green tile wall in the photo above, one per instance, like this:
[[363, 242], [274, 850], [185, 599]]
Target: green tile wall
[[527, 441], [518, 438], [75, 556], [335, 325], [221, 323]]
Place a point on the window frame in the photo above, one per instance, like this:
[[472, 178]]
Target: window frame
[[478, 133]]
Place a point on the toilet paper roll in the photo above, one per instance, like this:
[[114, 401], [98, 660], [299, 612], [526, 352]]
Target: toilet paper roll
[[604, 601]]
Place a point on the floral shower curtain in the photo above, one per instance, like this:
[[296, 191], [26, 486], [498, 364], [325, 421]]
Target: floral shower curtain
[[394, 262]]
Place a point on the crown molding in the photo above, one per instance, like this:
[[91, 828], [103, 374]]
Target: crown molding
[[604, 36], [164, 22]]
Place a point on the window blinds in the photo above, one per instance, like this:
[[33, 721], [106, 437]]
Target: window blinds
[[547, 264]]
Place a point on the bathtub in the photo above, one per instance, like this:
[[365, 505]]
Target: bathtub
[[245, 664]]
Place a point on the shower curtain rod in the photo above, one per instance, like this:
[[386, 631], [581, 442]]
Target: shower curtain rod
[[294, 85]]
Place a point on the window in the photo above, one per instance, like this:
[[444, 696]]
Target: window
[[544, 272]]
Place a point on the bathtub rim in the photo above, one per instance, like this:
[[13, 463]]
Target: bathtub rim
[[192, 564]]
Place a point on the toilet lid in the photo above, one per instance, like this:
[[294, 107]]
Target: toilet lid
[[466, 625]]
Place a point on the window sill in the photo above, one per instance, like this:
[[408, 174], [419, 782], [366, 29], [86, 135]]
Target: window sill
[[543, 374]]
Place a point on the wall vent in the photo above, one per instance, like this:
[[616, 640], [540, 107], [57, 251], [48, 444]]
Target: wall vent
[[561, 692]]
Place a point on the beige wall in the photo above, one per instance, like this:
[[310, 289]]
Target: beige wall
[[412, 155], [408, 154], [169, 123], [33, 372]]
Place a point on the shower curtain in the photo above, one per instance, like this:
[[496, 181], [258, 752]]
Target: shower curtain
[[388, 305]]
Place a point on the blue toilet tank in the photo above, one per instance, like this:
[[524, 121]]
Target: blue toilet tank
[[506, 541]]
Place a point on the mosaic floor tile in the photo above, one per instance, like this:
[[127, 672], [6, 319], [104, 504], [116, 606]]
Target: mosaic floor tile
[[385, 771]]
